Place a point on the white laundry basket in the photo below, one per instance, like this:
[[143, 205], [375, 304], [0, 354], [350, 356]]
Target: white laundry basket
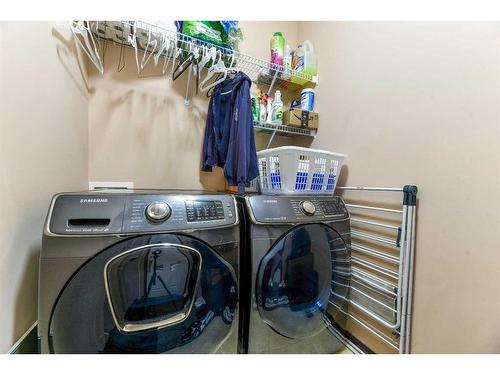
[[298, 170]]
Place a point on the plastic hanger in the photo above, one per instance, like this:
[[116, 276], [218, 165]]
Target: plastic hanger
[[176, 55], [194, 63], [184, 64], [132, 39], [164, 47], [219, 67], [88, 45], [145, 59], [169, 55]]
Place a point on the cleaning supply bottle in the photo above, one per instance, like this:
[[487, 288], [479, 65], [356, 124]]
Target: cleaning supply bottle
[[269, 119], [306, 59], [277, 118], [287, 63], [255, 108], [277, 49], [262, 107]]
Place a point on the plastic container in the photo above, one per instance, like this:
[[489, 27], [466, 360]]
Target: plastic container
[[287, 63], [277, 48], [307, 100], [269, 110], [298, 170], [277, 118], [306, 59]]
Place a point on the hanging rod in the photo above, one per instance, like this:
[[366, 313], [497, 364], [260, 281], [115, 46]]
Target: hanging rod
[[360, 234], [367, 312], [375, 253], [374, 208], [369, 188], [367, 277], [382, 270], [374, 287], [365, 295], [368, 222]]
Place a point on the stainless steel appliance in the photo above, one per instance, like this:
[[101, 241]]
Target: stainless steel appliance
[[296, 259], [139, 272]]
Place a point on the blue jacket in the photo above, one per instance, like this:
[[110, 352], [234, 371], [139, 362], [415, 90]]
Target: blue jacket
[[229, 140]]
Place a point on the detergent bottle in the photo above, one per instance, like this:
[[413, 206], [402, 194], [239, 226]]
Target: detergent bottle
[[306, 59], [277, 49]]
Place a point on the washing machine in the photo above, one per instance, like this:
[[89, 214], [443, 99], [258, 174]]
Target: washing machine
[[296, 259], [139, 272]]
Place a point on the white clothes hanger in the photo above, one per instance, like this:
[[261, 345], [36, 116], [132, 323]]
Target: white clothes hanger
[[218, 67], [169, 55], [208, 55], [132, 39], [89, 45], [164, 47], [145, 59]]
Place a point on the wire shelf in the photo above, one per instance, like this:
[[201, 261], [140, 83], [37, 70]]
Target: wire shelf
[[150, 37], [283, 129]]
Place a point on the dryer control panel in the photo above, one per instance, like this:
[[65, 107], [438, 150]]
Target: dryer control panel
[[122, 213], [296, 209]]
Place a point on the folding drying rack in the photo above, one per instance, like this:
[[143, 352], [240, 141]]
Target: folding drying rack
[[382, 255]]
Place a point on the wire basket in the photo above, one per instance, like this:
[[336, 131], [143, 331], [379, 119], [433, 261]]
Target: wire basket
[[298, 170]]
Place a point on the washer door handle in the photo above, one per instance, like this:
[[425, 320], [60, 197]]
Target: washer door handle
[[136, 327], [130, 327]]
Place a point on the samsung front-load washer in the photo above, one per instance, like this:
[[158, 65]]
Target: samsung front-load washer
[[139, 272], [297, 259]]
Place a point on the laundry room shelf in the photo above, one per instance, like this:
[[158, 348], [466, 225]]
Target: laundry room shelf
[[283, 129], [149, 39]]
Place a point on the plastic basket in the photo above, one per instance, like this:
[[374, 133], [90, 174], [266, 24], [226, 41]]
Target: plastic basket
[[298, 170]]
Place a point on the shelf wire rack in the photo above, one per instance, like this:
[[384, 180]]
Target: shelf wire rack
[[150, 37]]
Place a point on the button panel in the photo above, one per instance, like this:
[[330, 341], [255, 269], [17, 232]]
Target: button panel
[[201, 210], [282, 209]]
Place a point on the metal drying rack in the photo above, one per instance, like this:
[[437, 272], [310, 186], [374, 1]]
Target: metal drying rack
[[380, 293]]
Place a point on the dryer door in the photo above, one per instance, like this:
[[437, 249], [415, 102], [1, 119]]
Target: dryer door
[[150, 294], [295, 279]]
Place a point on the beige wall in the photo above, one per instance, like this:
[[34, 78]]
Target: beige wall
[[43, 150], [141, 131], [419, 103]]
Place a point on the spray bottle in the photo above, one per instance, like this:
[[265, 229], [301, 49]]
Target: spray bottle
[[277, 118]]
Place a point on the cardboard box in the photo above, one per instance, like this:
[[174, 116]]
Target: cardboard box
[[299, 118]]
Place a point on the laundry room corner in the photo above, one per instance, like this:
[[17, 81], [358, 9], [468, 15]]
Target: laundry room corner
[[43, 149]]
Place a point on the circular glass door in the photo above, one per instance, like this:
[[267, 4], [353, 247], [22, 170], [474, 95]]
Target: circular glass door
[[150, 294], [295, 279]]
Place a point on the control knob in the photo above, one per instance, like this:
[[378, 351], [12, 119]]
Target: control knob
[[158, 211], [308, 207]]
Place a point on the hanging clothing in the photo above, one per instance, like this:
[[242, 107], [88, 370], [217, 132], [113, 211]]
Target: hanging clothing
[[229, 140]]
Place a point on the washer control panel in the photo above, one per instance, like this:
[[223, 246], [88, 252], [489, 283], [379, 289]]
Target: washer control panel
[[296, 209], [197, 210], [116, 213]]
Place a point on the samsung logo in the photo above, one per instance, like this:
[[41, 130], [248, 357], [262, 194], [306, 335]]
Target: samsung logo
[[94, 200], [270, 201]]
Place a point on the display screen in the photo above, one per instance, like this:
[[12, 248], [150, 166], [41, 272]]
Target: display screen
[[204, 210], [331, 208]]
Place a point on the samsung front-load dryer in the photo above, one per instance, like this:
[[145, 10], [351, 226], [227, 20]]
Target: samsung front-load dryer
[[139, 272], [297, 262]]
